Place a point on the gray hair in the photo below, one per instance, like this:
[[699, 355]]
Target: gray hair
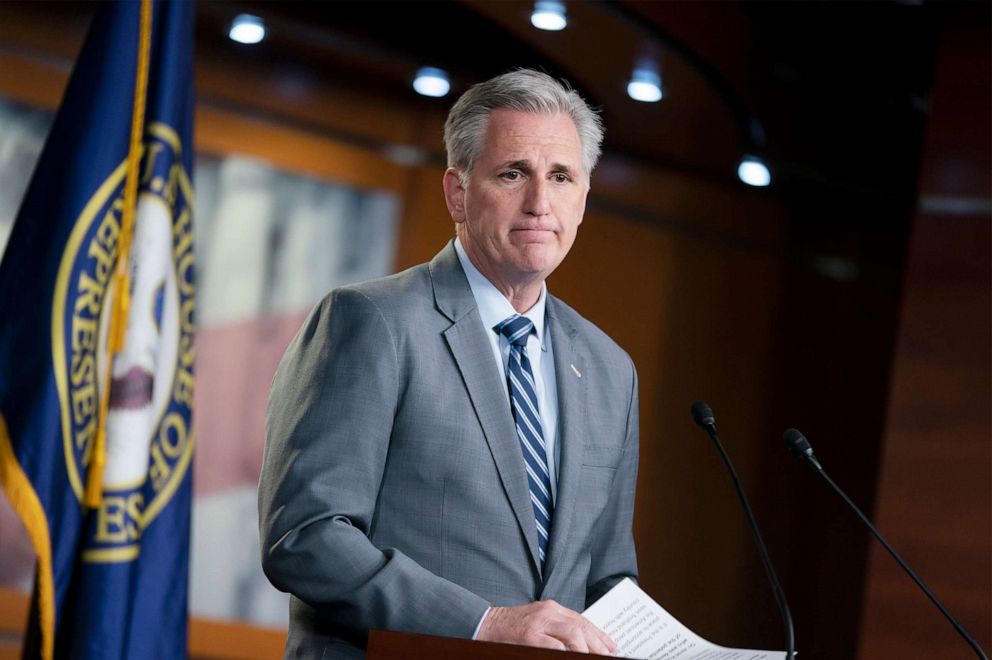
[[523, 90]]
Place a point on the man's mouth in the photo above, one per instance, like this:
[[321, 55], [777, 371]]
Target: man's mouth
[[533, 232]]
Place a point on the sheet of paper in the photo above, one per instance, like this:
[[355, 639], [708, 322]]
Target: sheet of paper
[[643, 629]]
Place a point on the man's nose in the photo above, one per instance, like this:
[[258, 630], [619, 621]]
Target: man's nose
[[536, 202]]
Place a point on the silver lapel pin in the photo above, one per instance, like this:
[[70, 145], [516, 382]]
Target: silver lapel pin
[[575, 370]]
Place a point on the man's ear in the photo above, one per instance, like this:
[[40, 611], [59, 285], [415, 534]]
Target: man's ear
[[454, 195]]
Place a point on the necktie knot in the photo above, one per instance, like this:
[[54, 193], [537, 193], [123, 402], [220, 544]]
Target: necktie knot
[[516, 329]]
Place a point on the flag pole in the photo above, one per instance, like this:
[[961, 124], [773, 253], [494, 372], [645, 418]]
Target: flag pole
[[122, 277]]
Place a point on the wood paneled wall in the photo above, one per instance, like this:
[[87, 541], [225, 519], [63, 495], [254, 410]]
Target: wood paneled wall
[[717, 292], [935, 489]]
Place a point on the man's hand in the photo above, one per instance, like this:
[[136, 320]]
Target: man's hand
[[545, 624]]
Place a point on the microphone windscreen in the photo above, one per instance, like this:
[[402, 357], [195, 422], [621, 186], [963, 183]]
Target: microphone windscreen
[[702, 415], [798, 443]]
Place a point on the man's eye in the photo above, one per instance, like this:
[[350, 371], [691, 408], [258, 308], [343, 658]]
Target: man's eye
[[512, 175], [561, 177]]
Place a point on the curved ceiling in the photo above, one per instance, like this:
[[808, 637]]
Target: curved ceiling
[[839, 88]]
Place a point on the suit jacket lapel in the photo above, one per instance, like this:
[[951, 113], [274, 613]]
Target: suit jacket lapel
[[572, 401], [473, 353]]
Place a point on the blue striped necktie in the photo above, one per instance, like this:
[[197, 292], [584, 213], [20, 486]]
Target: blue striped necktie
[[523, 401]]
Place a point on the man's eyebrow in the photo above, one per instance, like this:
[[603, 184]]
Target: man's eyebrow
[[525, 166], [562, 167], [522, 165]]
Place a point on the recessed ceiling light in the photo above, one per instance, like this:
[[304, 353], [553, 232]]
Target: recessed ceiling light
[[431, 82], [548, 15], [247, 29], [645, 85], [754, 172]]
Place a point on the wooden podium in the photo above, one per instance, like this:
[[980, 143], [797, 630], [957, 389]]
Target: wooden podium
[[386, 645]]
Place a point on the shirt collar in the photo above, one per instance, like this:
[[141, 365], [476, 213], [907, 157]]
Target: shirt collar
[[493, 306]]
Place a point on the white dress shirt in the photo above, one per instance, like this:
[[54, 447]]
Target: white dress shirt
[[494, 308]]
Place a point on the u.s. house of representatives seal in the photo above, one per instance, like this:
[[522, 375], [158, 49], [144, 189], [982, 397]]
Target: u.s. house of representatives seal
[[149, 440]]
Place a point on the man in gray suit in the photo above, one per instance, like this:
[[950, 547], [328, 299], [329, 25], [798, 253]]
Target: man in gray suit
[[452, 450]]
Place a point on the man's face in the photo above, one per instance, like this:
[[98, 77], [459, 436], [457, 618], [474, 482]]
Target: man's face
[[519, 212]]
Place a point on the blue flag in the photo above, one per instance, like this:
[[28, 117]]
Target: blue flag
[[96, 346]]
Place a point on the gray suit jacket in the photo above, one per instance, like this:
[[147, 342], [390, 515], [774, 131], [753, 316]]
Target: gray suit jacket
[[393, 492]]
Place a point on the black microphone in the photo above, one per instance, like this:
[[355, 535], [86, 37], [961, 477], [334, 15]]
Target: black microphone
[[800, 446], [703, 417]]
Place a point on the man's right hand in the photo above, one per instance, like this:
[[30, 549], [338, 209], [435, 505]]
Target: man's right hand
[[544, 624]]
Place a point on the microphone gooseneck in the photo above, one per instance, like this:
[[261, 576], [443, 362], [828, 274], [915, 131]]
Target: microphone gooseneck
[[703, 416], [800, 446]]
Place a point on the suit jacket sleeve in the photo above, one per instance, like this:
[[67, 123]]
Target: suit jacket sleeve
[[612, 553], [328, 428]]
